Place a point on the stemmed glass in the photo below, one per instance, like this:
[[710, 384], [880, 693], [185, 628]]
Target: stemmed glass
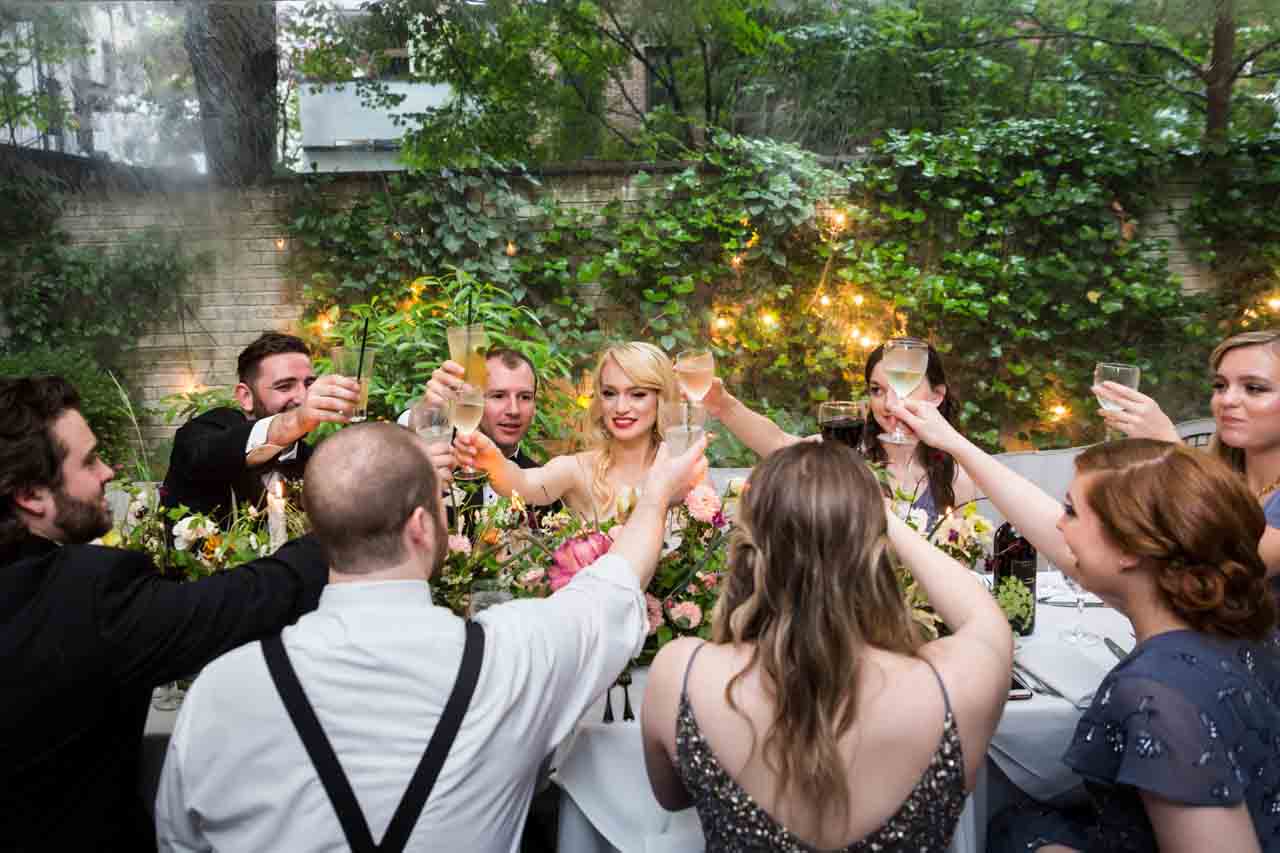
[[905, 362], [431, 422], [1076, 635], [695, 371], [843, 421], [465, 413], [469, 346]]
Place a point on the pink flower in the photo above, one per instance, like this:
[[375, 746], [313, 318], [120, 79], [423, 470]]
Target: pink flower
[[532, 578], [654, 607], [575, 555], [461, 544], [708, 580], [703, 503], [687, 615]]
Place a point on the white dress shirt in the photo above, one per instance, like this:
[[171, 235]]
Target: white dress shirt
[[378, 661]]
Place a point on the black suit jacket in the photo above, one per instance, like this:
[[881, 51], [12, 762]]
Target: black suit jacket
[[475, 499], [85, 634], [207, 464]]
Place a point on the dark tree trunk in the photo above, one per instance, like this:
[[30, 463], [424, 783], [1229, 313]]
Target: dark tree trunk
[[1220, 76], [232, 46]]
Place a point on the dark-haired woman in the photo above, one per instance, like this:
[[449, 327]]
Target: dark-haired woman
[[814, 718], [929, 476], [1179, 747]]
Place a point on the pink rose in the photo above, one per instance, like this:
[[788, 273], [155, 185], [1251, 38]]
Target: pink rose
[[461, 544], [575, 555], [654, 608], [703, 503], [532, 578], [686, 615], [708, 580]]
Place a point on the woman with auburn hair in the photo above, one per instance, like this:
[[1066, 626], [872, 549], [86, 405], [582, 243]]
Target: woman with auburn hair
[[1246, 412], [815, 682], [929, 476], [1177, 747], [636, 397]]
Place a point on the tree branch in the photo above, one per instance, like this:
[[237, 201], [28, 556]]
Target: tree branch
[[1254, 54], [1047, 34]]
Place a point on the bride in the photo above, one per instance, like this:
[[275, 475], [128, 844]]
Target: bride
[[636, 397]]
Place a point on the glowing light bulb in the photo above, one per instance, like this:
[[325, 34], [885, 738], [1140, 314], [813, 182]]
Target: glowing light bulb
[[825, 300], [1274, 303], [280, 243], [736, 262], [1059, 411], [838, 219], [723, 323], [511, 249], [868, 343], [769, 319], [858, 299]]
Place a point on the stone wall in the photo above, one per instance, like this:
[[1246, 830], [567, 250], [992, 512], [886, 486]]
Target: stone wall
[[245, 288]]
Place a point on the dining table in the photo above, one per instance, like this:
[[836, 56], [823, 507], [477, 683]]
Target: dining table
[[606, 805]]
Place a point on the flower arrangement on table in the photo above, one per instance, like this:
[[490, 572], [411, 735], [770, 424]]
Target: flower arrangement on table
[[199, 546], [960, 532], [535, 561]]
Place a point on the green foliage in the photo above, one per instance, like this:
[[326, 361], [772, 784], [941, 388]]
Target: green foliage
[[33, 37], [1014, 247], [61, 292], [1017, 602], [100, 402]]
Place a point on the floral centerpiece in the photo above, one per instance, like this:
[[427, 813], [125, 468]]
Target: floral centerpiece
[[187, 545]]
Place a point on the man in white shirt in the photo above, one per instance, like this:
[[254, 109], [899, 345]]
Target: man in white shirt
[[378, 662]]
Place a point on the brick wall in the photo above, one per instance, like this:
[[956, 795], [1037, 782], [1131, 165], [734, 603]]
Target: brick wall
[[245, 288]]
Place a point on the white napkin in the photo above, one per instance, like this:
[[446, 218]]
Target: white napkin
[[1064, 668]]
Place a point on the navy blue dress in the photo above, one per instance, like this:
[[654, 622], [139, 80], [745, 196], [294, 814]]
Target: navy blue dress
[[1192, 718]]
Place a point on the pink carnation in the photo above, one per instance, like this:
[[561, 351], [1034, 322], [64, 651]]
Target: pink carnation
[[703, 503], [575, 555], [654, 607], [460, 544], [686, 615]]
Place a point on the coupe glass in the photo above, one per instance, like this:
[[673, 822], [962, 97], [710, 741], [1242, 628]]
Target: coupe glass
[[1076, 635], [695, 371], [905, 362]]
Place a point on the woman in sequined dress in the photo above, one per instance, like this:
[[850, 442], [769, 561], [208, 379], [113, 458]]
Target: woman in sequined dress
[[929, 476], [815, 718], [1180, 748]]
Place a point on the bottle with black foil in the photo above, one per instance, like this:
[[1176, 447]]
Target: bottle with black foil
[[1014, 556]]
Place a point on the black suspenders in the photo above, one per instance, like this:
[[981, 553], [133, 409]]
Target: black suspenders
[[335, 782]]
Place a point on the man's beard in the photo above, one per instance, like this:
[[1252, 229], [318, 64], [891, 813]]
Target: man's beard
[[260, 410], [80, 521]]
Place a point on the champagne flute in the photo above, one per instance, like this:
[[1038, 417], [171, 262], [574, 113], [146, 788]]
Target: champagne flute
[[843, 421], [695, 371], [465, 413], [469, 346], [905, 362], [1076, 635]]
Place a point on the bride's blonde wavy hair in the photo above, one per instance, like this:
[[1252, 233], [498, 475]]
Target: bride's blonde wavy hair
[[648, 367], [809, 587]]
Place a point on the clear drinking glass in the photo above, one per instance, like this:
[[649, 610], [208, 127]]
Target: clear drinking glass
[[167, 697], [905, 362], [465, 413], [843, 421], [431, 422], [1124, 374], [468, 346], [355, 362], [1076, 635], [485, 593], [695, 371]]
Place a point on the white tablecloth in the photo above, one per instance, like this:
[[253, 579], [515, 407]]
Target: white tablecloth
[[607, 805]]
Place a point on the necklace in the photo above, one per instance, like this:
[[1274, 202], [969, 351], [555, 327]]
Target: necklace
[[1269, 487]]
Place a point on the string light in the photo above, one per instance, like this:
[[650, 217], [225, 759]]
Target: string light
[[736, 262], [858, 299], [1060, 411], [867, 342], [722, 323], [769, 320], [824, 300], [280, 243], [1274, 303], [511, 249]]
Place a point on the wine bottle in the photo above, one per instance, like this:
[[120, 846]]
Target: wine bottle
[[1014, 556]]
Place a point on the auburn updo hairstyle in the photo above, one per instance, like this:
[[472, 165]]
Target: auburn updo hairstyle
[[1193, 523]]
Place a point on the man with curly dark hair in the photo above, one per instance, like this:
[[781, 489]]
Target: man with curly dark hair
[[87, 632]]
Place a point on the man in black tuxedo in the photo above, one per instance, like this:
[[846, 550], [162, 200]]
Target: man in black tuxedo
[[233, 451], [510, 403], [87, 632]]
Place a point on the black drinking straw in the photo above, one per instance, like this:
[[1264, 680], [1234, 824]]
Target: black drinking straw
[[364, 339]]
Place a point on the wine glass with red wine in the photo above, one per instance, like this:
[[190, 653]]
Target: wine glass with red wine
[[843, 421]]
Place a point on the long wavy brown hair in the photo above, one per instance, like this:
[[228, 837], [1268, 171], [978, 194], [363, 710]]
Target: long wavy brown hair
[[648, 367], [1193, 523], [1234, 456], [809, 587]]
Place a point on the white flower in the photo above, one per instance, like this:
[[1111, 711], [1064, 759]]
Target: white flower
[[191, 529], [917, 519]]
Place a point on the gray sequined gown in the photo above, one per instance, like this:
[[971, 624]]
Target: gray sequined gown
[[732, 822]]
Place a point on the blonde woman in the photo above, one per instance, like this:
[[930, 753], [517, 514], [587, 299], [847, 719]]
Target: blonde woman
[[636, 396], [1246, 412], [815, 718]]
